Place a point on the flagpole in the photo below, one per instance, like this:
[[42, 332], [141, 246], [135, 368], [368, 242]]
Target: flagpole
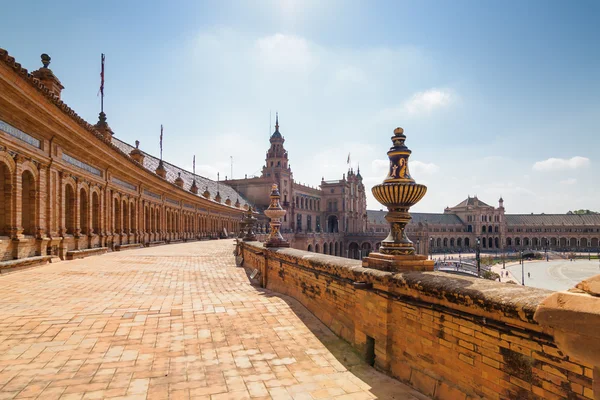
[[161, 138], [102, 83]]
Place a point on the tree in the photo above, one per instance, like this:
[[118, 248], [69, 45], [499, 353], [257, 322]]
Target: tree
[[582, 212]]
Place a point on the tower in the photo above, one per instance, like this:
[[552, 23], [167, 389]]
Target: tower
[[277, 170]]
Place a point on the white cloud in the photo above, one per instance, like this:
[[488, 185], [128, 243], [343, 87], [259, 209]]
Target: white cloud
[[422, 168], [285, 52], [420, 104], [350, 74], [557, 164], [570, 181], [380, 167], [425, 102]]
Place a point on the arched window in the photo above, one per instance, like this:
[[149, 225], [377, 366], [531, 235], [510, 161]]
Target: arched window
[[309, 247], [125, 216], [132, 217], [28, 203], [5, 199], [83, 212], [70, 209], [95, 213], [483, 229], [325, 248]]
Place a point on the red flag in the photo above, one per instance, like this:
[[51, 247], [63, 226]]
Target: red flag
[[102, 76]]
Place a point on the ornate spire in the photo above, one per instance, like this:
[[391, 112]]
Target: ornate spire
[[276, 134]]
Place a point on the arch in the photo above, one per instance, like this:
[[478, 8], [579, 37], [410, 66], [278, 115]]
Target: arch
[[116, 215], [95, 212], [6, 185], [483, 229], [445, 242], [509, 242], [353, 251], [496, 229], [317, 249], [83, 212], [490, 243], [497, 243], [459, 242], [337, 249], [526, 242], [310, 247], [125, 216], [490, 229], [517, 241], [594, 242], [366, 249], [330, 248], [563, 242], [132, 216], [467, 242], [584, 242], [70, 209], [438, 242], [28, 200], [573, 242], [451, 242], [8, 161], [553, 242], [483, 243], [325, 249], [535, 242]]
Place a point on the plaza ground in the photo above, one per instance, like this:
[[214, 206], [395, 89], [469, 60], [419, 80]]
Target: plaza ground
[[171, 322], [555, 275]]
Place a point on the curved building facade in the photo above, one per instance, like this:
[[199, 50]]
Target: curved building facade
[[69, 186], [459, 227]]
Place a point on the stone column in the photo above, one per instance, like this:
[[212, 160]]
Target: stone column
[[17, 195], [62, 223]]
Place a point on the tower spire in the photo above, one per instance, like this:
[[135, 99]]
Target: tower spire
[[276, 121]]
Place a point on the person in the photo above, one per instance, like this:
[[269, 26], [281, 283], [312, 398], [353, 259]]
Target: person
[[529, 274]]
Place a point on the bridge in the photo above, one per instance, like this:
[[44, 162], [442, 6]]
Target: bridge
[[459, 266]]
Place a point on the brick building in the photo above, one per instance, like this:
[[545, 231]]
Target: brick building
[[317, 219], [69, 187], [458, 228]]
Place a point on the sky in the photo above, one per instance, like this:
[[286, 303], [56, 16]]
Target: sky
[[496, 98]]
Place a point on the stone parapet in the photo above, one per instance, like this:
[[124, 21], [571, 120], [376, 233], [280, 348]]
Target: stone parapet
[[449, 337]]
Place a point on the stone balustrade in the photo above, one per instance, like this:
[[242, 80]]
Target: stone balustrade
[[449, 337]]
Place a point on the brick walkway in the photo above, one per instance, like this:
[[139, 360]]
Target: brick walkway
[[170, 322]]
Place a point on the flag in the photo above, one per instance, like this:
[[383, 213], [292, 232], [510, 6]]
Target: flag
[[194, 164], [348, 161], [102, 75], [161, 135]]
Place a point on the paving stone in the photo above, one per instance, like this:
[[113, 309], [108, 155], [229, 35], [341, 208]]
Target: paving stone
[[171, 322]]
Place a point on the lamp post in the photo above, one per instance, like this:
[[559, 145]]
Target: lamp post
[[431, 248], [546, 249], [477, 250], [522, 270], [418, 246]]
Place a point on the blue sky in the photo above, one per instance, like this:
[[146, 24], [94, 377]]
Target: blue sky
[[495, 98]]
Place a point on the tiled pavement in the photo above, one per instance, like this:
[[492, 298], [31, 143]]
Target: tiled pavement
[[171, 322]]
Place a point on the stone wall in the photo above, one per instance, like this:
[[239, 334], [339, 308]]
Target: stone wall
[[449, 337]]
